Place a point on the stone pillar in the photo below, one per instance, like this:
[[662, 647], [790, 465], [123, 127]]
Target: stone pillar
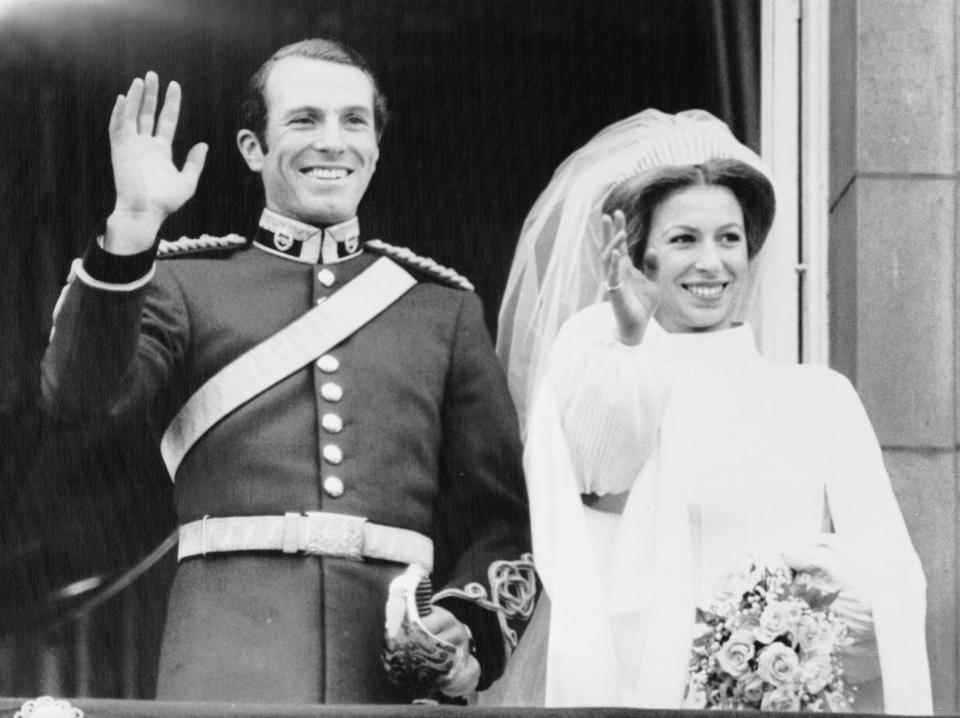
[[893, 269]]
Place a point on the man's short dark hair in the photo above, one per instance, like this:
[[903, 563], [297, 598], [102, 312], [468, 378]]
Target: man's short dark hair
[[253, 109]]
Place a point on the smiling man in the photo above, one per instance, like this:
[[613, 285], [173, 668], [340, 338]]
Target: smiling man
[[331, 410], [317, 147]]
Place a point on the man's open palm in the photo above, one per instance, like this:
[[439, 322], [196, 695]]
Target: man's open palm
[[149, 185]]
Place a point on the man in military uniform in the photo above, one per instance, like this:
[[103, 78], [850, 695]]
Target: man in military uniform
[[309, 472]]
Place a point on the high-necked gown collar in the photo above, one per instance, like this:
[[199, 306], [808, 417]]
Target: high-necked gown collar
[[301, 242], [735, 345]]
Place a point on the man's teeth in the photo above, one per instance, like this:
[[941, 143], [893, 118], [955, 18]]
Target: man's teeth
[[324, 173], [711, 291]]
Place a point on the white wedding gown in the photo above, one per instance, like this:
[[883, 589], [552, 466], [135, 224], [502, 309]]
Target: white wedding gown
[[725, 454]]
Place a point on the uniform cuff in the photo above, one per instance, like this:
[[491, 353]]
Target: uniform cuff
[[116, 271]]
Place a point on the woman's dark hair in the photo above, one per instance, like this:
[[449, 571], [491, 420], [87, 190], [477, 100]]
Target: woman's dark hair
[[639, 196], [253, 109]]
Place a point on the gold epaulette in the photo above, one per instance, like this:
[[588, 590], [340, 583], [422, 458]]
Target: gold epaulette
[[424, 265], [195, 245]]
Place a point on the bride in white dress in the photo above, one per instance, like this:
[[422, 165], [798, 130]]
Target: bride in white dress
[[662, 449]]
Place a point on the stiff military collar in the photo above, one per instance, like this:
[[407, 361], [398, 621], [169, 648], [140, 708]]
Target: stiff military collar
[[305, 243]]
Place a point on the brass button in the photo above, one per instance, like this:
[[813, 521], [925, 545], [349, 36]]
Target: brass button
[[328, 363], [326, 277], [331, 391], [333, 486], [333, 454], [332, 423]]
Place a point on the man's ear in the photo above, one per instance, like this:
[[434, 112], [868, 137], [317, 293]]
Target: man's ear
[[249, 145]]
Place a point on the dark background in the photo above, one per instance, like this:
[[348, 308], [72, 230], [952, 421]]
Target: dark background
[[487, 97]]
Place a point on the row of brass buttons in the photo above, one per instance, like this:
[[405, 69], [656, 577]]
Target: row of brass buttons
[[331, 391], [332, 423]]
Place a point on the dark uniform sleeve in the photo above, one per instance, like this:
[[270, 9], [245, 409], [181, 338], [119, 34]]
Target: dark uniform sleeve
[[110, 353], [483, 566]]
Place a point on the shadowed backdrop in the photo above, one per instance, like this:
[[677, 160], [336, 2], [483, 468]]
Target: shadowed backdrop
[[486, 98]]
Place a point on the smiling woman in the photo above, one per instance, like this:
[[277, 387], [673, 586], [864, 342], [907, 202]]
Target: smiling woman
[[697, 235], [662, 449], [698, 226]]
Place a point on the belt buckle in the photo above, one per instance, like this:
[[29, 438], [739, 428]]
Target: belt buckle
[[329, 534]]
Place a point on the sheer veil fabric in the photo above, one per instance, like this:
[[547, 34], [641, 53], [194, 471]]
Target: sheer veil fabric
[[622, 588]]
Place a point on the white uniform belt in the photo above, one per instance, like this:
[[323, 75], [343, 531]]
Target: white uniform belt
[[315, 532]]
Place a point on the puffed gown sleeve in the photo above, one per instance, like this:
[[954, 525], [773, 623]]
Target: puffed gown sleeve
[[868, 520], [608, 399]]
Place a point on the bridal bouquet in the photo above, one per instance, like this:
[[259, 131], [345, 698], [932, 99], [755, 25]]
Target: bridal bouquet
[[769, 641]]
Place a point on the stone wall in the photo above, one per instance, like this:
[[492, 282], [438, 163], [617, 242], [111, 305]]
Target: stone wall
[[893, 269]]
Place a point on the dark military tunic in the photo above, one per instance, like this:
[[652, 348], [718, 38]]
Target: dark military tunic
[[426, 440]]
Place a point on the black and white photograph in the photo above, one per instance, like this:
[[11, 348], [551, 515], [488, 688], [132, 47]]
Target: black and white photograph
[[495, 357]]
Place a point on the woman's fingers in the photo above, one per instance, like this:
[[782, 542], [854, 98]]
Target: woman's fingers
[[614, 232], [614, 247], [606, 224], [632, 296], [620, 223], [614, 272]]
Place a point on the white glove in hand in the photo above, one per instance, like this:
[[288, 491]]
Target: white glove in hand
[[830, 569], [465, 673], [432, 650]]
